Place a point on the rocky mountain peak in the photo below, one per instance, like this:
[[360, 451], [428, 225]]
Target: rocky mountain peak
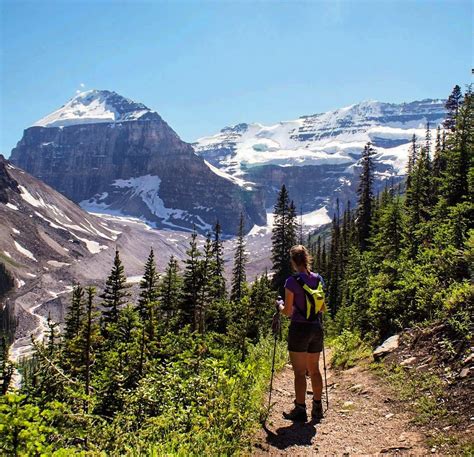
[[97, 106]]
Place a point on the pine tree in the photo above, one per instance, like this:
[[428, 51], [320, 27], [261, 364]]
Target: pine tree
[[364, 211], [170, 289], [207, 268], [147, 306], [459, 153], [119, 362], [413, 198], [262, 299], [334, 266], [424, 178], [453, 105], [90, 334], [219, 285], [346, 235], [52, 335], [437, 154], [293, 225], [317, 259], [283, 238], [148, 298], [73, 318], [324, 263], [6, 367], [71, 351], [191, 284], [412, 158], [428, 141], [116, 291], [239, 277], [389, 236]]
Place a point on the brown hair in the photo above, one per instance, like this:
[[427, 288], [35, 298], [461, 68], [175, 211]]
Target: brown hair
[[300, 257]]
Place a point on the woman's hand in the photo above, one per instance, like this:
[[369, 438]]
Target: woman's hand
[[279, 304]]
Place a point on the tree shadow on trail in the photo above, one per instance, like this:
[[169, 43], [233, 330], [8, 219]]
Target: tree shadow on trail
[[296, 434]]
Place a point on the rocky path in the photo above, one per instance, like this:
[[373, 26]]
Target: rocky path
[[362, 419]]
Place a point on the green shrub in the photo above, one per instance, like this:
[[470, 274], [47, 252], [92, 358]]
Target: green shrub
[[348, 348]]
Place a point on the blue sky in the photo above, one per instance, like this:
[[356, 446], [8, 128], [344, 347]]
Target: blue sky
[[207, 64]]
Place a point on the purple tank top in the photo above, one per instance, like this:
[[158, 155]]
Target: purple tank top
[[299, 303]]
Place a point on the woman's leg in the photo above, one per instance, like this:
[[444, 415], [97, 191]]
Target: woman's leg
[[298, 361], [312, 365]]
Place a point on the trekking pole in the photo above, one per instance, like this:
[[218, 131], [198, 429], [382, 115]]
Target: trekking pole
[[325, 377], [273, 371], [276, 328], [325, 369]]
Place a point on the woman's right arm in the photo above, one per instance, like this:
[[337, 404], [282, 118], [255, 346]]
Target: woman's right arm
[[289, 297]]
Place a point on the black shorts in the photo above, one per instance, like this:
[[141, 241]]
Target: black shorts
[[305, 337]]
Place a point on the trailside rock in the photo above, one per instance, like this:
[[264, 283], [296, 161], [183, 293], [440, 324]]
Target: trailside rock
[[388, 346]]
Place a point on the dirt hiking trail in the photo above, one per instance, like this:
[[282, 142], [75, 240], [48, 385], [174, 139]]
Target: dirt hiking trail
[[362, 419]]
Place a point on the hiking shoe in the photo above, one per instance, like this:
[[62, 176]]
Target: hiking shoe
[[297, 414], [317, 410]]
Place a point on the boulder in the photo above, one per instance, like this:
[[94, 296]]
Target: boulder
[[408, 361], [464, 372], [388, 346]]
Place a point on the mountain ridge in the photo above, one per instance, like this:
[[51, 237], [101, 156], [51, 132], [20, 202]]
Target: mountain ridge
[[323, 147]]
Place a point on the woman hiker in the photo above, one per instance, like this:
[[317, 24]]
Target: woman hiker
[[305, 337]]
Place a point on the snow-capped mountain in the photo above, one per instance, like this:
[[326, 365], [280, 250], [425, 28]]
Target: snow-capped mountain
[[113, 155], [94, 106], [316, 156]]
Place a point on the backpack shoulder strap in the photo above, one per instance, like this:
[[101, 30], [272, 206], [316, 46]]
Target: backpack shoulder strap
[[299, 280]]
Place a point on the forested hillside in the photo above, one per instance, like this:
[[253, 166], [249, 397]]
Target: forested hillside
[[404, 257], [183, 368]]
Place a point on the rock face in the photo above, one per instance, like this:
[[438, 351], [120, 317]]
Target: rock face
[[113, 155], [40, 229], [8, 184], [317, 156]]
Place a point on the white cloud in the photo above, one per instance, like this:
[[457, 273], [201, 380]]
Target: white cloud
[[82, 85]]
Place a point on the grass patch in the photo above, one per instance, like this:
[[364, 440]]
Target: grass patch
[[451, 445], [422, 390]]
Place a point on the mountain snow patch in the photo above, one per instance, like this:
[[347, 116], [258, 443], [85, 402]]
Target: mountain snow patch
[[146, 188], [316, 218], [311, 220], [240, 182], [25, 195], [24, 251]]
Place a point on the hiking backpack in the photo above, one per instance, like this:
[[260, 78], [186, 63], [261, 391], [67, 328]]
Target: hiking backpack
[[314, 298]]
